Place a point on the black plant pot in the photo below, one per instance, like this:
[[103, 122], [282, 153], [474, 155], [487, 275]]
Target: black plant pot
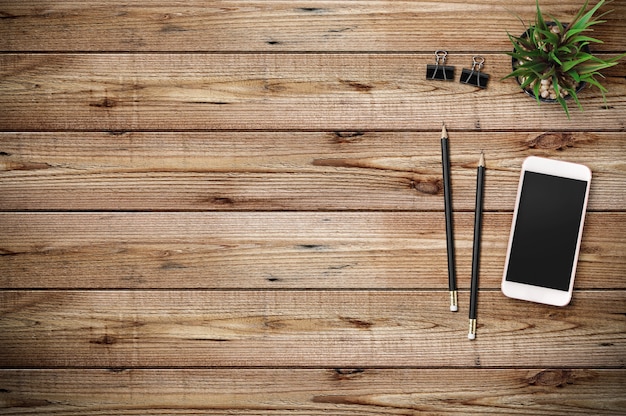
[[530, 92]]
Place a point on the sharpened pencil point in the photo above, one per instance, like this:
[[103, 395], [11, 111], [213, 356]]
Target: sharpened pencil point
[[481, 162], [444, 132]]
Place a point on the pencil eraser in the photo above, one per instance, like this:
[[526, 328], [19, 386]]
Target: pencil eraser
[[471, 336], [454, 308]]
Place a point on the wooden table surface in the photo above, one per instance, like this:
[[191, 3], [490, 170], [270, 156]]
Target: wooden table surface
[[236, 207]]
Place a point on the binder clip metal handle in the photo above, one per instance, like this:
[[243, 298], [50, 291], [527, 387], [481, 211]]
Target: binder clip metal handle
[[440, 57]]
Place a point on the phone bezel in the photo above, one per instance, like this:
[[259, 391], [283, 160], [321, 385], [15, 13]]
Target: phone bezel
[[534, 293]]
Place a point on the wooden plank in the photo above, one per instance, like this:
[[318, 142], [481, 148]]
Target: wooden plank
[[340, 170], [237, 111], [305, 328], [337, 391], [31, 25], [274, 250], [275, 92]]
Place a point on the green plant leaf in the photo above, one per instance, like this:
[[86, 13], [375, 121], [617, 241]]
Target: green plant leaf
[[572, 32], [583, 27], [547, 36], [584, 20], [554, 57], [558, 24], [574, 75], [564, 50], [539, 21], [529, 80], [536, 73], [591, 68], [596, 83], [559, 99], [571, 64], [584, 39], [538, 68], [572, 92], [577, 21], [536, 89]]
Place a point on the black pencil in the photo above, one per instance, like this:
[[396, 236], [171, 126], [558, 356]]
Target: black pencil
[[447, 198], [478, 219]]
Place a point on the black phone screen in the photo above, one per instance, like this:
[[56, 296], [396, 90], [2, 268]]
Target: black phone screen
[[543, 247]]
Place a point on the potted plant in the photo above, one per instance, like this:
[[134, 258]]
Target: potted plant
[[552, 60]]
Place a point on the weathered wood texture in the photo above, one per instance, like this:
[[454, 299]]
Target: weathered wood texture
[[276, 91], [235, 207], [345, 391], [325, 328], [286, 170], [347, 25], [274, 250]]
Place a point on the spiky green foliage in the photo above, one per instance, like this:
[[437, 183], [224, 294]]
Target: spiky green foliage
[[559, 52]]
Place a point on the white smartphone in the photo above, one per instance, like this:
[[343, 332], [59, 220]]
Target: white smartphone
[[546, 232]]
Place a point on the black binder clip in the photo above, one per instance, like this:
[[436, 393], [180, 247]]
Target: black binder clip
[[474, 76], [440, 71]]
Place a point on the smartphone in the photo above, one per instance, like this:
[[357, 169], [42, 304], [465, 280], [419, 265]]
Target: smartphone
[[546, 231]]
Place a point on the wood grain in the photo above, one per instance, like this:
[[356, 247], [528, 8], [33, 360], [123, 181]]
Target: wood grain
[[345, 391], [275, 92], [235, 208], [326, 328], [388, 250], [198, 26], [339, 170]]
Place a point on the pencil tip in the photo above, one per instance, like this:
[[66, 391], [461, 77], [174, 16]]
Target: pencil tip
[[481, 162], [444, 132]]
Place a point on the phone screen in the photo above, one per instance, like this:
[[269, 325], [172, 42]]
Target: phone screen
[[543, 247]]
